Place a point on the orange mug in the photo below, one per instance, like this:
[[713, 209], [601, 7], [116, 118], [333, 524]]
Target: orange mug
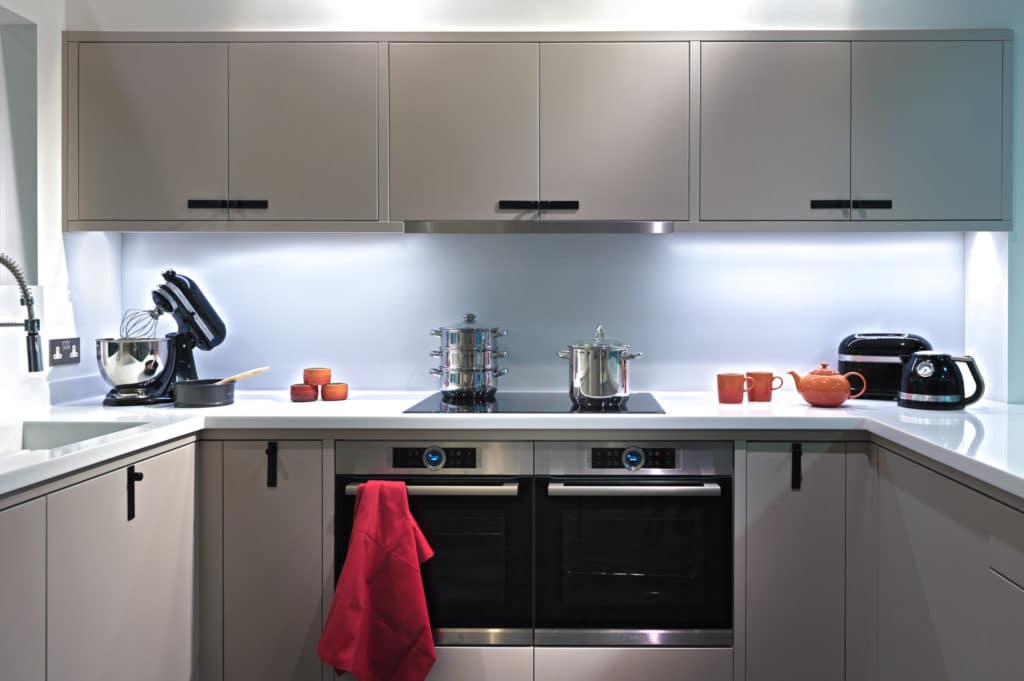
[[762, 383], [732, 386]]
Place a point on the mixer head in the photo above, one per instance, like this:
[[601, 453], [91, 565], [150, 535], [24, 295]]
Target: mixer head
[[179, 296]]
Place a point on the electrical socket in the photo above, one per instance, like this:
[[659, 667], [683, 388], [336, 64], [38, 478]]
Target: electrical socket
[[65, 351]]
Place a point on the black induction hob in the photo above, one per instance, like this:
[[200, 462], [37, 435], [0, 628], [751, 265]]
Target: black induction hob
[[532, 403]]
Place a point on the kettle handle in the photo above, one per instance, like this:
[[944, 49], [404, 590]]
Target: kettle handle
[[979, 382], [863, 383]]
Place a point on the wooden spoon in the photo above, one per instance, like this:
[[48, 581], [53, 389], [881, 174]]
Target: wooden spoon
[[245, 374]]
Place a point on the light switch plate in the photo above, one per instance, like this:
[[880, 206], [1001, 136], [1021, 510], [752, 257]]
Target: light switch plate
[[65, 351]]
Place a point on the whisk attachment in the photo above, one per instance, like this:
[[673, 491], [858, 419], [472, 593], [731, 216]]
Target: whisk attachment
[[137, 324]]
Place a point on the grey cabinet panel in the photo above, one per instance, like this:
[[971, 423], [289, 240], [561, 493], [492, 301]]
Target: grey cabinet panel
[[463, 129], [796, 563], [932, 574], [775, 130], [119, 592], [1005, 618], [634, 664], [861, 562], [303, 129], [152, 130], [928, 129], [272, 562], [23, 592], [464, 663], [614, 129]]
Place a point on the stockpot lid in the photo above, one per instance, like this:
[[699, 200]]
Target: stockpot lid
[[469, 322], [883, 344], [600, 341]]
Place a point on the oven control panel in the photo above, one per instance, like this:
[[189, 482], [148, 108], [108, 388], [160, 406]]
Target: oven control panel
[[633, 458], [433, 458]]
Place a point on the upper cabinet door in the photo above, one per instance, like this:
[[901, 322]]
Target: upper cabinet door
[[615, 130], [152, 130], [303, 128], [928, 130], [774, 130], [464, 132]]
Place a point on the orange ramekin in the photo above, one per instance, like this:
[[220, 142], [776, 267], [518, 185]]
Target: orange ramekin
[[334, 391], [316, 376], [301, 392]]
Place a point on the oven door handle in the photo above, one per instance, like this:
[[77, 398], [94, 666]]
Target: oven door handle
[[508, 489], [708, 489]]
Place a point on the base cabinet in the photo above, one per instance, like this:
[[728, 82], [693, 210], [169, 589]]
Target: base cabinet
[[635, 664], [23, 592], [119, 590]]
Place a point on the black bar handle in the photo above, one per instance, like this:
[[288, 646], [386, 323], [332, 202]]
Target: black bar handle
[[559, 205], [133, 477], [261, 204], [271, 464], [207, 203], [829, 204], [797, 470], [881, 204], [508, 204]]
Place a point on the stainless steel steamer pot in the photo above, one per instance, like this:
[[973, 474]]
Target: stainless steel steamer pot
[[469, 384], [598, 373], [468, 336], [469, 360]]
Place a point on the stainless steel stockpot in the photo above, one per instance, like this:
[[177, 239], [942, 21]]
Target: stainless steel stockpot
[[598, 374], [469, 359], [462, 384], [468, 336]]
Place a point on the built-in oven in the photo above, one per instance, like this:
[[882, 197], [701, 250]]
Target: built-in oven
[[634, 544], [474, 503]]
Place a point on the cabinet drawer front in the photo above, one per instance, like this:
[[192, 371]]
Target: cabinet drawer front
[[648, 664]]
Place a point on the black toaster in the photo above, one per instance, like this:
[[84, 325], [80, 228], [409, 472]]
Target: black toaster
[[879, 358]]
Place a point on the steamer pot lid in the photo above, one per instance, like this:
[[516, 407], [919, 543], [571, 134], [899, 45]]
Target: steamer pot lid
[[600, 341]]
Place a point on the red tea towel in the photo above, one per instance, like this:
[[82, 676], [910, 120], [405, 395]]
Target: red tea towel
[[378, 628]]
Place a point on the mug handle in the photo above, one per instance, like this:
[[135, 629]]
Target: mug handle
[[979, 382], [748, 383], [863, 383], [779, 379]]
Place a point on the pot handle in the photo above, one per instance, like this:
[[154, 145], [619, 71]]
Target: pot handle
[[863, 383], [435, 371], [500, 372], [979, 382], [564, 354], [633, 355], [435, 332]]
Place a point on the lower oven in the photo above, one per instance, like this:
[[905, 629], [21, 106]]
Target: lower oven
[[474, 503], [634, 544]]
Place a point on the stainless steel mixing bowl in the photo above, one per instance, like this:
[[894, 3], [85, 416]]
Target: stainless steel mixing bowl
[[132, 366]]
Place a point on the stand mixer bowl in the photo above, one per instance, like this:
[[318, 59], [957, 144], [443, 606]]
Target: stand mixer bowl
[[133, 367]]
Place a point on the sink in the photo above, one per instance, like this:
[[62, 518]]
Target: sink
[[35, 435]]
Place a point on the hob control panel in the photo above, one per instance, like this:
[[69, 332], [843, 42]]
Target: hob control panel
[[433, 458], [633, 458]]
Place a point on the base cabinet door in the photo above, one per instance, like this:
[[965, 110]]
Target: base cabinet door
[[796, 526], [23, 592], [634, 664], [119, 590], [272, 560]]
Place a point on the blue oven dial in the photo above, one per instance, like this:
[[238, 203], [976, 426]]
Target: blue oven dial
[[633, 458], [434, 458]]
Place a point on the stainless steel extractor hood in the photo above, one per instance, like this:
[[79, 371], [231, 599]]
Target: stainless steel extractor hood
[[538, 227]]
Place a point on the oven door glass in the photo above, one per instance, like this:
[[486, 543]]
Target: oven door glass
[[481, 572], [610, 554]]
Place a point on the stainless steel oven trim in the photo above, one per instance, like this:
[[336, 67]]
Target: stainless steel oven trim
[[693, 458], [509, 489], [682, 638], [452, 636], [708, 489], [363, 458]]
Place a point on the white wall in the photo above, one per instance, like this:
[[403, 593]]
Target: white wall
[[694, 304]]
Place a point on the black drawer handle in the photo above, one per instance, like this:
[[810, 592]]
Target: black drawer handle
[[207, 203], [797, 468], [829, 204], [262, 204], [271, 464], [133, 478], [880, 204], [559, 205], [507, 204]]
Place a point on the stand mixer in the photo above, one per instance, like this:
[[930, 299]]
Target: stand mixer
[[136, 366]]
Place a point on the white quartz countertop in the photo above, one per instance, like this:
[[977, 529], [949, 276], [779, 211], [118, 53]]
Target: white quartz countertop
[[986, 442]]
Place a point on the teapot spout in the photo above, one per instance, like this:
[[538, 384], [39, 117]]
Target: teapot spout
[[796, 379]]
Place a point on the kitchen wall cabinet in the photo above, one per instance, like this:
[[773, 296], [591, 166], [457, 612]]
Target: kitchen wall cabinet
[[774, 130], [303, 130], [151, 124], [796, 541], [23, 592], [928, 129], [273, 543], [615, 130], [119, 591], [463, 129]]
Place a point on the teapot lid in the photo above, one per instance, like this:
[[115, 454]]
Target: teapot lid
[[824, 371]]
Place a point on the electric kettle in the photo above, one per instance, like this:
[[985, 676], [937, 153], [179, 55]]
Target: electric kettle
[[932, 380]]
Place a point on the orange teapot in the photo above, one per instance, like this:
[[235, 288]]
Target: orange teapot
[[826, 388]]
